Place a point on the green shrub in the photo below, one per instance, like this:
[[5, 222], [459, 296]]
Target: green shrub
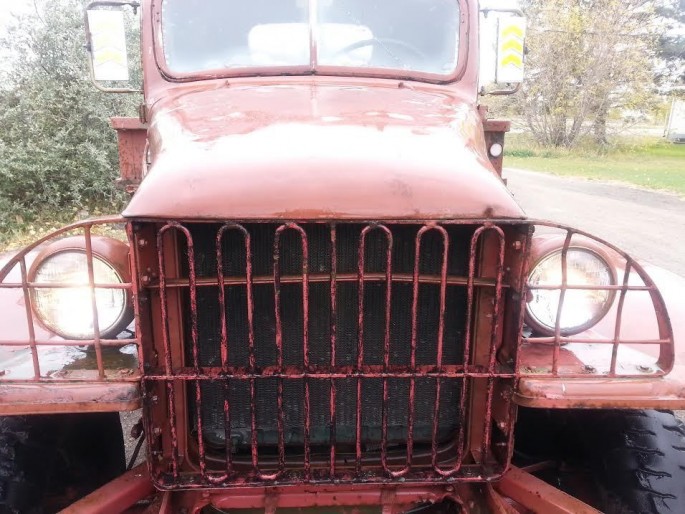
[[519, 153], [58, 154]]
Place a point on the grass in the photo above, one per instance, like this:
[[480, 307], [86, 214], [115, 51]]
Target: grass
[[645, 162]]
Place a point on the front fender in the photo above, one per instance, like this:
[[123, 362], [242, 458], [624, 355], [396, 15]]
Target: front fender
[[41, 372], [657, 389]]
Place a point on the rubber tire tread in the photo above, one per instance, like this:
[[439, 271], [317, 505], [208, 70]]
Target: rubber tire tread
[[638, 460]]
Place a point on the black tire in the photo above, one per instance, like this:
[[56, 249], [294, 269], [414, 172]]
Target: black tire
[[638, 460], [49, 461]]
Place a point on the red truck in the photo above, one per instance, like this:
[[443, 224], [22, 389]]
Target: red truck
[[323, 298]]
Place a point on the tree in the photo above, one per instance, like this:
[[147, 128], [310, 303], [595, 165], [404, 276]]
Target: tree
[[57, 151], [672, 44], [585, 58]]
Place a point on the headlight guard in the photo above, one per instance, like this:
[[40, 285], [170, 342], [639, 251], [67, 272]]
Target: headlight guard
[[95, 374]]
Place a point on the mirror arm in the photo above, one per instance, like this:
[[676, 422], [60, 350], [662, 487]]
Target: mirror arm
[[501, 92], [135, 5], [114, 3], [517, 12]]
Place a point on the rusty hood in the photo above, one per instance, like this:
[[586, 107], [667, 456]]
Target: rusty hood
[[315, 151]]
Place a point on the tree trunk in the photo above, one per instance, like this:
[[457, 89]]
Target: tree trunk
[[599, 127]]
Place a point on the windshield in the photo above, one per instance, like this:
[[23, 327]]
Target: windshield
[[407, 35]]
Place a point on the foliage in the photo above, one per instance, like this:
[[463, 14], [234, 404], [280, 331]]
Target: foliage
[[57, 151], [672, 44], [586, 57], [642, 161]]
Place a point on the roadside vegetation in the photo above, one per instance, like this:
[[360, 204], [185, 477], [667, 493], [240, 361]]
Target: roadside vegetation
[[641, 161], [58, 153]]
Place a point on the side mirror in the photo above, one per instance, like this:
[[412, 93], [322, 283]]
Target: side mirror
[[106, 44], [502, 43]]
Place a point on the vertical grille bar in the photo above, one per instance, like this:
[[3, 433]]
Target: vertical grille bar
[[224, 349], [251, 353], [494, 338], [334, 321], [440, 343], [386, 340], [412, 350], [168, 368], [192, 276], [470, 294], [305, 343], [386, 345], [224, 329], [361, 268], [279, 347]]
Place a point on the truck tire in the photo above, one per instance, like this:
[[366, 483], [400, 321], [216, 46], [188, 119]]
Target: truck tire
[[638, 460], [49, 461]]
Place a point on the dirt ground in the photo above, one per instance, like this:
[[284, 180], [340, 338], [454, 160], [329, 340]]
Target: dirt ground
[[128, 420]]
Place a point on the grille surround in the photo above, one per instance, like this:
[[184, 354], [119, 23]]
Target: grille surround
[[427, 459]]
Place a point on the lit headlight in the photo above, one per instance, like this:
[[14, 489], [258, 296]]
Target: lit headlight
[[67, 309], [582, 308]]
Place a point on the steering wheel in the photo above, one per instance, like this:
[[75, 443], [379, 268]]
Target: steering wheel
[[384, 43]]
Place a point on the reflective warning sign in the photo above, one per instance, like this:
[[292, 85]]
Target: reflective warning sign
[[108, 45], [510, 49]]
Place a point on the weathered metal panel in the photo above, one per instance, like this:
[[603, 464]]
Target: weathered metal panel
[[318, 151], [174, 380], [132, 137]]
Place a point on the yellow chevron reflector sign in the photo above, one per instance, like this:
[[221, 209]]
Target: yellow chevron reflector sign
[[108, 45], [510, 49]]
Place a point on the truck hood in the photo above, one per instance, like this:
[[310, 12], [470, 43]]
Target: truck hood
[[313, 151]]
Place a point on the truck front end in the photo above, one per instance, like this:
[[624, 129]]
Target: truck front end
[[321, 294]]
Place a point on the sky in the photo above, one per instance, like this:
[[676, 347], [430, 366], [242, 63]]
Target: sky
[[7, 7]]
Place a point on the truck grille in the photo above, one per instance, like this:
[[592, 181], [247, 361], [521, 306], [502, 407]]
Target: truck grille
[[317, 351]]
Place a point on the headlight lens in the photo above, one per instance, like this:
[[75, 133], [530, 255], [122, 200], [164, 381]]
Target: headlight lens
[[68, 311], [582, 308]]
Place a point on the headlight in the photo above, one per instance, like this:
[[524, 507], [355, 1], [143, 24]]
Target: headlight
[[67, 308], [582, 308]]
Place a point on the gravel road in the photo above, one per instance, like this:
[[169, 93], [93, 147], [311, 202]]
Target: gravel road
[[649, 225]]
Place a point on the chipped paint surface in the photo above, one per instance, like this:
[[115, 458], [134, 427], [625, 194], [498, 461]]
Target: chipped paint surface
[[318, 151]]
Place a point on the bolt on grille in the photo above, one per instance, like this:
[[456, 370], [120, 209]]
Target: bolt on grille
[[323, 352]]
